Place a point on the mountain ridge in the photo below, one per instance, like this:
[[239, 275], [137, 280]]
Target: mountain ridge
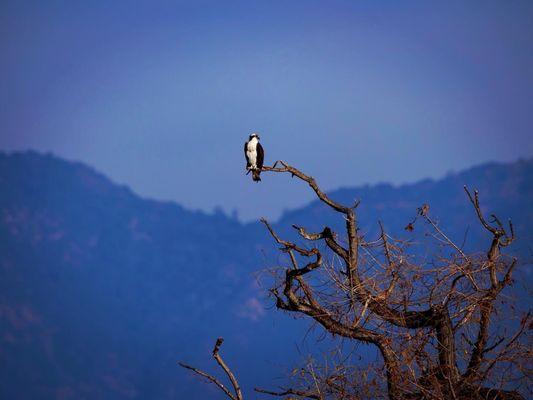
[[405, 186], [90, 273]]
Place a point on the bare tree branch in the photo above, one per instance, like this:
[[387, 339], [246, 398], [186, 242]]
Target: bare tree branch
[[286, 392], [233, 396]]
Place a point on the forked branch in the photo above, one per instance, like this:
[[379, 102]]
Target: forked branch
[[237, 395]]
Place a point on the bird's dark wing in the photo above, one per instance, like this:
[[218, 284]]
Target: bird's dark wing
[[260, 156], [246, 155]]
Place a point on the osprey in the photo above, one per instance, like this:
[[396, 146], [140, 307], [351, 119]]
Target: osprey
[[253, 151]]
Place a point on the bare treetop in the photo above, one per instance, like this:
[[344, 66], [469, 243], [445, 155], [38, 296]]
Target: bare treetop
[[433, 322]]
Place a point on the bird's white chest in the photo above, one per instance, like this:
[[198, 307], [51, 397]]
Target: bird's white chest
[[251, 152]]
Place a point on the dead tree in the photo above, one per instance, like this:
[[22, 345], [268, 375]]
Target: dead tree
[[432, 321]]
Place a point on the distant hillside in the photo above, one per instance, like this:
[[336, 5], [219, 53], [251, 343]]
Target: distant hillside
[[101, 291]]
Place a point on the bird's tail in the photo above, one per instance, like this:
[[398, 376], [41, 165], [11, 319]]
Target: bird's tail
[[256, 175]]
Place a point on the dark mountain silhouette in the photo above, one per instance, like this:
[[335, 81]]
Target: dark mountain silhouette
[[101, 291]]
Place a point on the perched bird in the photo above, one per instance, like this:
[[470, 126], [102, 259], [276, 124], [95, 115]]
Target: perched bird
[[253, 151]]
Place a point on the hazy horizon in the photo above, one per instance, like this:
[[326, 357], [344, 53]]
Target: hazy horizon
[[234, 213]]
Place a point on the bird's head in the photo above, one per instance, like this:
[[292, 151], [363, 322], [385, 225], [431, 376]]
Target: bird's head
[[254, 135]]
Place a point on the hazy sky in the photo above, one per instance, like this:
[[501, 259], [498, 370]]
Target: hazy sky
[[162, 96]]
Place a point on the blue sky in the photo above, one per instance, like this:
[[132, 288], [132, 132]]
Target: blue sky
[[161, 95]]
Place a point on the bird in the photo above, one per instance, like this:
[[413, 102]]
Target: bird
[[255, 155]]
